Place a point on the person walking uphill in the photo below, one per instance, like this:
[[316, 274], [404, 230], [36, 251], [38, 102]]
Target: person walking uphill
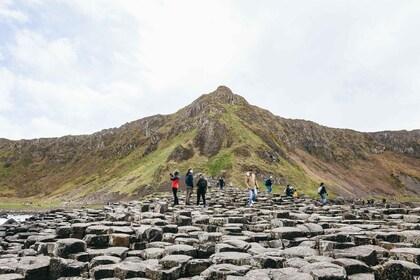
[[175, 185], [323, 193], [268, 183], [251, 183], [221, 183], [189, 181], [201, 189]]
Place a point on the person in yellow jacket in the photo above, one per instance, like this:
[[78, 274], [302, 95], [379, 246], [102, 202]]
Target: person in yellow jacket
[[251, 183], [295, 194]]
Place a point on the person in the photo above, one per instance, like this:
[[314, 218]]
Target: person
[[221, 183], [175, 185], [251, 183], [189, 182], [323, 193], [201, 189], [295, 194], [288, 191], [268, 183]]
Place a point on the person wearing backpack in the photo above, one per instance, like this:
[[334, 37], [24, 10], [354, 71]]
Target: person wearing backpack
[[322, 191], [268, 183], [189, 182], [201, 189], [175, 185]]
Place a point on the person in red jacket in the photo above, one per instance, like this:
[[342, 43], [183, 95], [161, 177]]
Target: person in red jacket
[[175, 185]]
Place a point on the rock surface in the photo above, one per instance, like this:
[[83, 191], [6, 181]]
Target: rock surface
[[276, 238]]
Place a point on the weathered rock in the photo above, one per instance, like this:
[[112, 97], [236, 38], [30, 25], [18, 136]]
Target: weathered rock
[[221, 271], [399, 270], [64, 247], [361, 253], [231, 258]]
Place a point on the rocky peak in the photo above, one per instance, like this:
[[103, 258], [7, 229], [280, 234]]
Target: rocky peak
[[223, 94]]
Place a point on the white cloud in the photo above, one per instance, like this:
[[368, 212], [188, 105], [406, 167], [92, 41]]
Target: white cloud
[[81, 66], [6, 85], [32, 51], [9, 14]]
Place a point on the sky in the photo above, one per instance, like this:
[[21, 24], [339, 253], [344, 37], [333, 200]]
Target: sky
[[77, 67]]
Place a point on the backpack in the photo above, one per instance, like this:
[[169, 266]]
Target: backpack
[[266, 182]]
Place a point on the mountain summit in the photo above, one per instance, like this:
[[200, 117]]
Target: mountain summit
[[220, 133]]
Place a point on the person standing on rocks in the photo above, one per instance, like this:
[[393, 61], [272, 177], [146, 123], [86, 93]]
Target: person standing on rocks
[[323, 193], [268, 183], [251, 182], [201, 189], [189, 181], [175, 185], [221, 183]]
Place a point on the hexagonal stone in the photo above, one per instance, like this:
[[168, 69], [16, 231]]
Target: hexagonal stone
[[174, 260], [362, 276], [299, 251], [12, 276], [119, 240], [286, 233], [153, 253], [181, 250], [325, 271], [361, 253], [103, 271], [102, 260], [231, 258], [352, 266], [221, 271], [407, 254], [197, 266], [64, 247], [127, 270], [60, 267], [399, 270], [34, 267]]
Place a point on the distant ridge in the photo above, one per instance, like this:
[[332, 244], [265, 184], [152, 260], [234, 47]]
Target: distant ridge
[[220, 133]]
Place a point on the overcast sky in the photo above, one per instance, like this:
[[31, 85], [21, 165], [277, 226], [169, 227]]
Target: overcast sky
[[76, 67]]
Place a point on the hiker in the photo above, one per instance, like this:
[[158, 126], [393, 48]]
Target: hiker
[[189, 182], [201, 189], [175, 185], [323, 193], [221, 183], [268, 183], [251, 183], [295, 194], [288, 191]]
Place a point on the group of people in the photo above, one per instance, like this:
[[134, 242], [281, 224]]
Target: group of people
[[250, 181], [201, 185]]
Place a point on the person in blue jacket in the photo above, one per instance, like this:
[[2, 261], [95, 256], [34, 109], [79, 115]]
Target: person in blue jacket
[[189, 181]]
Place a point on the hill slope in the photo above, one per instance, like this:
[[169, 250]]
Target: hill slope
[[219, 133]]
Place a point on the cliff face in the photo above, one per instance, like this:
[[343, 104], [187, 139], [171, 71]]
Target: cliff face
[[219, 133]]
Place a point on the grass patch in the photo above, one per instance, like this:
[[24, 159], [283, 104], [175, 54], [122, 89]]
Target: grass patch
[[219, 164]]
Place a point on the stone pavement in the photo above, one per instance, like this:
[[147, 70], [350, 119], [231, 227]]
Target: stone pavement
[[276, 239]]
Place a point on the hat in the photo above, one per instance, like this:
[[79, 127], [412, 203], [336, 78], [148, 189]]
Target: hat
[[271, 177]]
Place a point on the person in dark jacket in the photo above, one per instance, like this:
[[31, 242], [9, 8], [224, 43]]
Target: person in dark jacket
[[289, 191], [175, 185], [322, 191], [201, 189], [189, 181], [268, 183], [221, 183]]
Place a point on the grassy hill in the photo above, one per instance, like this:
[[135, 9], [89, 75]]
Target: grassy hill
[[219, 134]]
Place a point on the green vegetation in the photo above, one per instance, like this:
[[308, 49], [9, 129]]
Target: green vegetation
[[219, 164]]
